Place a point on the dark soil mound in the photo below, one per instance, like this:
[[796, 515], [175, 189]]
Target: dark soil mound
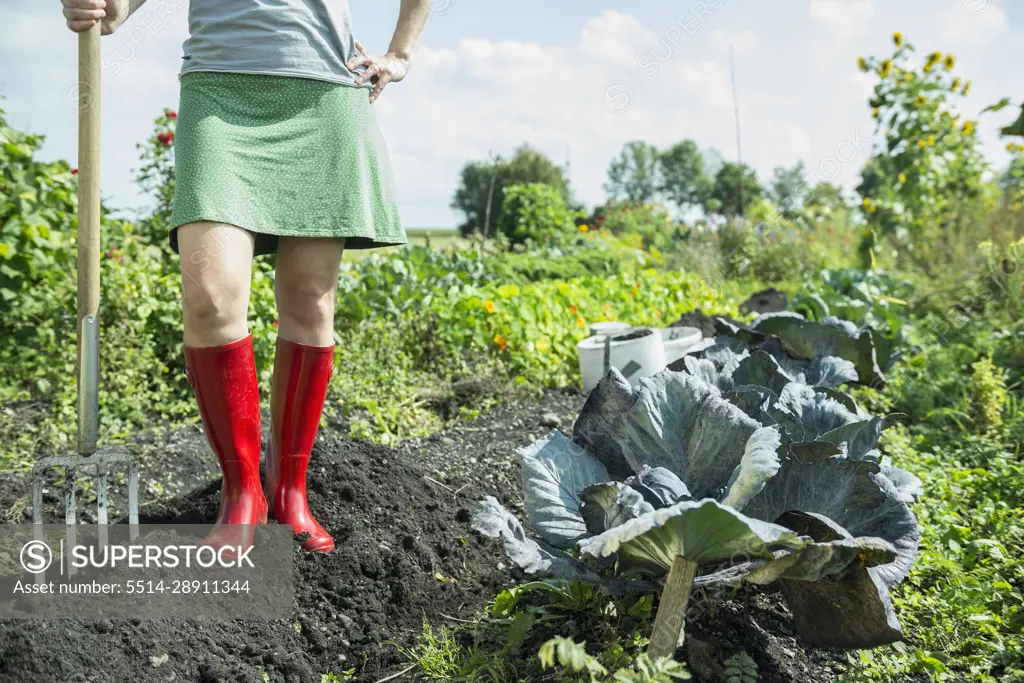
[[395, 531]]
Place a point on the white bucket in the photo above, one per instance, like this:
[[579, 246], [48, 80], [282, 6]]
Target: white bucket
[[638, 353], [678, 341], [608, 327]]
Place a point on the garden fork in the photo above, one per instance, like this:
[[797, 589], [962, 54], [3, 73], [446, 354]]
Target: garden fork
[[89, 456]]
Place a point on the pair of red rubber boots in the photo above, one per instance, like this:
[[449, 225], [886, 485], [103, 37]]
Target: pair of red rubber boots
[[226, 387]]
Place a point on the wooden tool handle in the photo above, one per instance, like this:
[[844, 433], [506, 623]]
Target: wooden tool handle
[[88, 238], [88, 172]]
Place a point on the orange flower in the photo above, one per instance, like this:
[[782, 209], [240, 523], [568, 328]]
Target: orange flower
[[489, 305], [500, 342], [573, 309], [580, 321], [274, 323], [637, 285]]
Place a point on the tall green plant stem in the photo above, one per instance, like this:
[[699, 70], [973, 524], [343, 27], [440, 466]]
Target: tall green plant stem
[[668, 624]]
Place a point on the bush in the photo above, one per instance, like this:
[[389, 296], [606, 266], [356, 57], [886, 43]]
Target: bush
[[38, 206], [650, 222], [535, 211]]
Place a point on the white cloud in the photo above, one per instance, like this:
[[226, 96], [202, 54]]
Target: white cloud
[[985, 24], [615, 37], [844, 19], [743, 41]]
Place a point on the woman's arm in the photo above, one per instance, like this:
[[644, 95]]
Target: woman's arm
[[82, 15], [393, 66]]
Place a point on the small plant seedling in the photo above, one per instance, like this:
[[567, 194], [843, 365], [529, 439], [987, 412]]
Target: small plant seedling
[[741, 668]]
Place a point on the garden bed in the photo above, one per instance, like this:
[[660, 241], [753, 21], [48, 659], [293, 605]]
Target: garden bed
[[400, 516]]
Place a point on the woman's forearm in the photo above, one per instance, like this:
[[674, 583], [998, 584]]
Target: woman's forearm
[[412, 18]]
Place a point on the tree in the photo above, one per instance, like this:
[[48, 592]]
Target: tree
[[633, 176], [735, 188], [484, 182], [823, 200], [683, 179], [789, 189]]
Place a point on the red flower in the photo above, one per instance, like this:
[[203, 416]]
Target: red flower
[[165, 138], [172, 114], [74, 171], [274, 323]]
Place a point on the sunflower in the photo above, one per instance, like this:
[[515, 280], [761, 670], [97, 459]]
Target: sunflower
[[956, 84], [967, 87], [949, 62], [921, 100], [931, 140], [862, 64], [922, 144], [885, 69], [968, 127], [908, 77], [875, 113], [867, 202], [928, 68], [902, 178], [897, 38]]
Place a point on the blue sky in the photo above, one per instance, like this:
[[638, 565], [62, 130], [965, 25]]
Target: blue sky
[[576, 78]]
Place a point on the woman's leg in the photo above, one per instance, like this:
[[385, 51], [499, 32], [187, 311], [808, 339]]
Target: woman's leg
[[305, 284], [216, 272], [216, 269]]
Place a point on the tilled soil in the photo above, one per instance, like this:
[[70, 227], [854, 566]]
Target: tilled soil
[[406, 552]]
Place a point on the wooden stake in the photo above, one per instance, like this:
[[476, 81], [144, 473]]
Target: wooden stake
[[668, 623]]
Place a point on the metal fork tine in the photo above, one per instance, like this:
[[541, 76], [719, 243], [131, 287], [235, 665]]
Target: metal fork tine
[[133, 499], [101, 502], [70, 509], [37, 535], [37, 501], [70, 498]]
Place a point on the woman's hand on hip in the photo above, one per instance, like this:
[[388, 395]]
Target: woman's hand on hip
[[379, 71], [82, 15]]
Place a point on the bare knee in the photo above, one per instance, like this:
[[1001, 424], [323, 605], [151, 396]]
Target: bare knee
[[216, 263], [215, 311], [307, 306], [307, 276]]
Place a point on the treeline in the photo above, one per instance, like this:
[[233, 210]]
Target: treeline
[[683, 176]]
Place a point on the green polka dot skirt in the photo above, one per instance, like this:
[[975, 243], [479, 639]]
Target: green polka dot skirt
[[280, 155]]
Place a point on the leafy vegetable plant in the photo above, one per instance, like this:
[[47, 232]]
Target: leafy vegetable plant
[[661, 482]]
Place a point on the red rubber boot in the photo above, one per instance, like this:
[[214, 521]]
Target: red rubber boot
[[301, 376], [224, 381]]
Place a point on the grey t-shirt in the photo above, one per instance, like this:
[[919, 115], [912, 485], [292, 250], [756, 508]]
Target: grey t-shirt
[[306, 38]]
